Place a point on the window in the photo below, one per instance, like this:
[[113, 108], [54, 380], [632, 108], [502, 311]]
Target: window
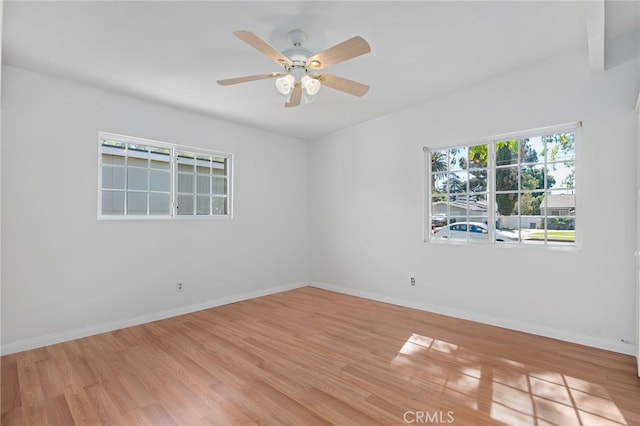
[[519, 189], [141, 178]]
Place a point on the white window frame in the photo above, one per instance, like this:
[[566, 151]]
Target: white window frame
[[491, 142], [173, 176]]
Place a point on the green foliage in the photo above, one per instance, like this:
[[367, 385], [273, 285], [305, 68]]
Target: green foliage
[[507, 177], [478, 155], [563, 144], [438, 161], [530, 203]]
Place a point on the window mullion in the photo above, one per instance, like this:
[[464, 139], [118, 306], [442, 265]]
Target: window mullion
[[126, 180], [491, 190], [174, 170]]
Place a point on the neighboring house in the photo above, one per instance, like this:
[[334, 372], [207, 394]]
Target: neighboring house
[[558, 205], [459, 209]]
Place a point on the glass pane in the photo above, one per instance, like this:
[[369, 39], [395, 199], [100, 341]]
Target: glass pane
[[137, 203], [458, 158], [507, 152], [219, 166], [478, 208], [159, 204], [561, 147], [204, 184], [439, 161], [532, 177], [478, 181], [203, 164], [186, 162], [530, 204], [475, 228], [563, 202], [439, 182], [439, 211], [185, 182], [458, 216], [113, 152], [219, 186], [458, 231], [507, 179], [477, 217], [113, 144], [458, 182], [203, 205], [561, 229], [480, 199], [185, 205], [113, 177], [138, 155], [137, 179], [160, 158], [141, 150], [160, 180], [478, 156], [560, 208], [507, 204], [562, 175], [113, 159], [507, 236], [219, 205], [439, 204], [533, 150], [112, 202]]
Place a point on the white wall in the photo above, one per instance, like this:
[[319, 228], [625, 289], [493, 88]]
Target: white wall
[[366, 207], [65, 273]]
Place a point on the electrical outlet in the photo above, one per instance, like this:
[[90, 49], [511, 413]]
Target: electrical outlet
[[179, 287], [413, 281]]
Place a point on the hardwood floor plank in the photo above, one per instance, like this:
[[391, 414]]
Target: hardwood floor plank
[[31, 394], [79, 405], [50, 378], [103, 405], [313, 357], [10, 382], [58, 412]]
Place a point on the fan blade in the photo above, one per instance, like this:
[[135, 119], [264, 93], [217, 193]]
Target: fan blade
[[257, 43], [348, 49], [343, 84], [237, 80], [296, 97]]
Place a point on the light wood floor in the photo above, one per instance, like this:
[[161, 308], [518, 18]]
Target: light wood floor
[[310, 356]]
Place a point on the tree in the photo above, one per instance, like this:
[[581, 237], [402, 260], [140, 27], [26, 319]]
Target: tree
[[456, 185], [506, 177], [438, 164], [536, 176], [563, 144], [438, 161]]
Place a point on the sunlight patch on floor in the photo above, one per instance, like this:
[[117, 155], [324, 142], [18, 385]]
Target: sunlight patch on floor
[[509, 391]]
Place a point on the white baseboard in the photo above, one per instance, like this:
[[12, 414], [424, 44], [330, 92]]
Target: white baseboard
[[51, 339], [78, 333], [567, 336]]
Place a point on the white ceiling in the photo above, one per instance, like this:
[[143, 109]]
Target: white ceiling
[[174, 51]]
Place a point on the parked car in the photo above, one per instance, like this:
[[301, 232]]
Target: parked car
[[475, 231], [441, 219]]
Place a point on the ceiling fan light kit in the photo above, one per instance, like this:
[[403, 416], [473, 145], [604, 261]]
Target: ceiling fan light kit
[[300, 80], [285, 84]]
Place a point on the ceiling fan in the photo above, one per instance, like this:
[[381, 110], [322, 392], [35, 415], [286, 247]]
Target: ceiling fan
[[300, 75]]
